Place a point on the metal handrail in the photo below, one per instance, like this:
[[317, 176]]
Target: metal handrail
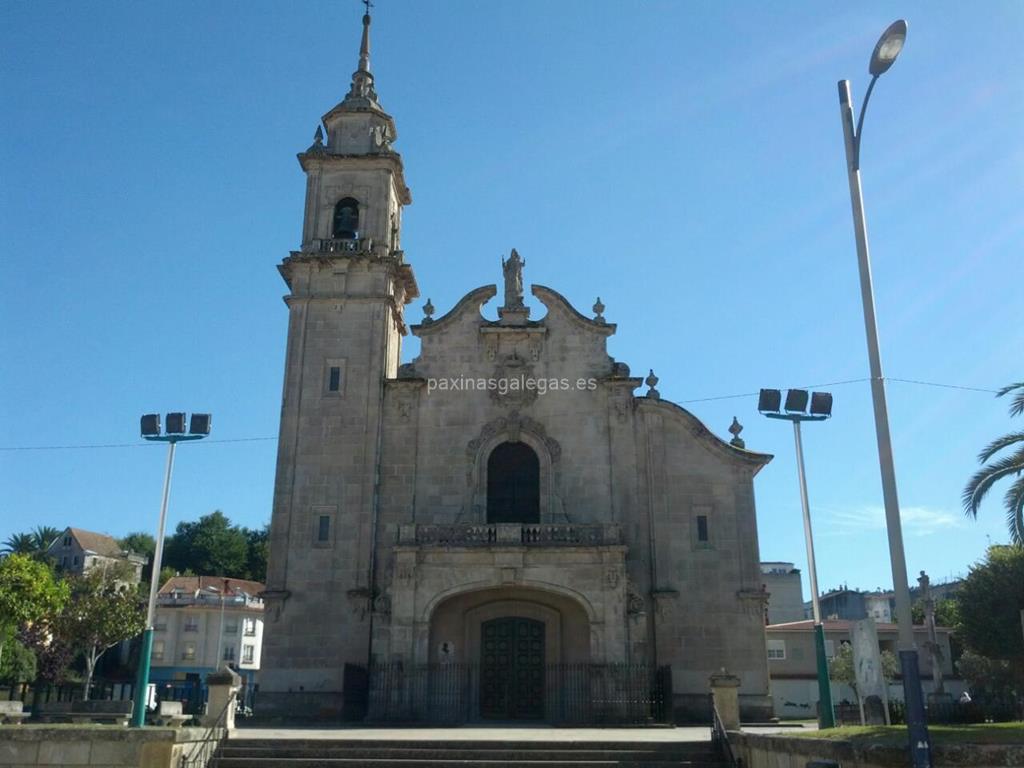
[[720, 740], [205, 753]]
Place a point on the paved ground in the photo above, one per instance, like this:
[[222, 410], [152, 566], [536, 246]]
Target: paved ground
[[469, 733]]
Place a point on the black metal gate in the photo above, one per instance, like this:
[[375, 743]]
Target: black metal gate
[[572, 694]]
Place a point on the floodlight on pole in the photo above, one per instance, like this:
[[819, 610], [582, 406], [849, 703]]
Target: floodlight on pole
[[795, 410], [886, 50], [173, 434]]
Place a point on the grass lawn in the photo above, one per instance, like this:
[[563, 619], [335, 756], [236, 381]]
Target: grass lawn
[[985, 733]]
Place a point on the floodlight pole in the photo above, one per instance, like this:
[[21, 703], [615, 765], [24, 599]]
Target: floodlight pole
[[917, 726], [826, 716], [146, 650]]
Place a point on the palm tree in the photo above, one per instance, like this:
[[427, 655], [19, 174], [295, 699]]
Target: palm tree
[[1011, 465], [20, 544], [43, 536]]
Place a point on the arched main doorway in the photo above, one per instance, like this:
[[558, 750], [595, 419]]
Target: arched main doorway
[[513, 484]]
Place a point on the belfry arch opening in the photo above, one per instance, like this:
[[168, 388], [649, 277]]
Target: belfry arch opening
[[513, 484], [346, 219]]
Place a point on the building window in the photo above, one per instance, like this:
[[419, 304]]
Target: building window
[[250, 627], [191, 624], [64, 561], [776, 650], [248, 653], [188, 653], [323, 530], [513, 484], [159, 625], [334, 377], [702, 529], [346, 219], [229, 653], [74, 560], [67, 541], [231, 628], [158, 650]]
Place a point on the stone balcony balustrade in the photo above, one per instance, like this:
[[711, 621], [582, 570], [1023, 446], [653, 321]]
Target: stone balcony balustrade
[[509, 535]]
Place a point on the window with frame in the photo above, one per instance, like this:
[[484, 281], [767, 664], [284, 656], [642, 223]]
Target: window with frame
[[248, 654], [158, 650], [229, 653], [188, 652], [323, 529], [334, 377], [702, 529], [191, 624], [231, 627], [249, 627], [776, 650]]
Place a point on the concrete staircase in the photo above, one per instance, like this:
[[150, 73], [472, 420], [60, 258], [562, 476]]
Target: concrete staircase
[[351, 753]]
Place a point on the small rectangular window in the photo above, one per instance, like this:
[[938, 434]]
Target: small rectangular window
[[702, 528], [248, 654], [158, 650], [334, 379], [189, 652], [777, 649], [324, 531]]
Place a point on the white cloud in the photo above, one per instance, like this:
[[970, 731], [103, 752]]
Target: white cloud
[[919, 521]]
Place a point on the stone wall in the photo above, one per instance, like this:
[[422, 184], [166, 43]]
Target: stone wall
[[780, 751], [97, 746]]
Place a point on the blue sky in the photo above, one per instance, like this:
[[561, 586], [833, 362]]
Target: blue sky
[[684, 161]]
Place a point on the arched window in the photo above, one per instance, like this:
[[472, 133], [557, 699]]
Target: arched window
[[513, 484], [346, 219]]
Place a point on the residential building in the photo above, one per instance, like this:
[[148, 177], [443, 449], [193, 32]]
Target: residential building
[[782, 582], [793, 667], [203, 623], [77, 551], [509, 486]]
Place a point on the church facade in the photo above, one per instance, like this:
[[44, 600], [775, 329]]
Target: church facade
[[512, 503]]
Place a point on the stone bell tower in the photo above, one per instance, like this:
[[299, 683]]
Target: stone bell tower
[[347, 289]]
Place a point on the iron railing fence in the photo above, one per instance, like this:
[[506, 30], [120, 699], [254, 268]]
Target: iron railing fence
[[987, 709], [573, 694], [191, 693]]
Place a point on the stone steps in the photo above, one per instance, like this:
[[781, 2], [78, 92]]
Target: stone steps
[[337, 753]]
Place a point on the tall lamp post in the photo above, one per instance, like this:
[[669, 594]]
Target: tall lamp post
[[198, 428], [886, 50], [769, 404]]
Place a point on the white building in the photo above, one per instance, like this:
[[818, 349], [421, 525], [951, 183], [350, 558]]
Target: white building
[[203, 623]]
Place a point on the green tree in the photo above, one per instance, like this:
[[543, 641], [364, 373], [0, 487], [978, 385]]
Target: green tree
[[841, 669], [259, 548], [20, 544], [987, 676], [43, 536], [18, 664], [990, 601], [28, 593], [946, 612], [210, 546], [1010, 465], [104, 610]]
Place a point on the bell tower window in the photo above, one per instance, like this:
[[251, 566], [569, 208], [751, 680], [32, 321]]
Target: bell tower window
[[346, 219]]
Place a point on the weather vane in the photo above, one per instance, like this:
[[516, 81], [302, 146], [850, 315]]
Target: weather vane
[[368, 5]]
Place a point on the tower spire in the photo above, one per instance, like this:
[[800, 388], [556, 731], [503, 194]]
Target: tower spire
[[362, 92], [364, 45]]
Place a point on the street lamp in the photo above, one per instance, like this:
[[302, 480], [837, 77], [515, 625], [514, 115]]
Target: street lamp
[[174, 432], [795, 410], [886, 50]]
